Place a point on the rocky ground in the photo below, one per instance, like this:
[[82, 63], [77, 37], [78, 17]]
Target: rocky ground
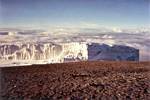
[[77, 81]]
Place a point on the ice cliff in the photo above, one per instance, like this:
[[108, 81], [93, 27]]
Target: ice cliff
[[64, 52], [43, 51]]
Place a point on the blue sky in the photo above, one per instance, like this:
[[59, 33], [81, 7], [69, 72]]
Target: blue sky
[[75, 13]]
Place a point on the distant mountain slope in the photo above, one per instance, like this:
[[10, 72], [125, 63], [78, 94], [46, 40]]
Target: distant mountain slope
[[115, 52]]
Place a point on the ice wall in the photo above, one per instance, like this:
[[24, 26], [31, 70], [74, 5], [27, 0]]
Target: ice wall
[[44, 51], [33, 53]]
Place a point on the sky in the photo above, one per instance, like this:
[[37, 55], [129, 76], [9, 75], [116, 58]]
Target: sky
[[74, 13]]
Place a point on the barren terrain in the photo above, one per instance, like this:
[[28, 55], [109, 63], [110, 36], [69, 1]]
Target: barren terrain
[[104, 80]]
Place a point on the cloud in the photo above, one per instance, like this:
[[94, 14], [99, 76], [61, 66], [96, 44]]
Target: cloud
[[89, 25], [118, 30]]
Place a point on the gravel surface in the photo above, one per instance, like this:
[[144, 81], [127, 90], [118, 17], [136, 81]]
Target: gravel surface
[[77, 81]]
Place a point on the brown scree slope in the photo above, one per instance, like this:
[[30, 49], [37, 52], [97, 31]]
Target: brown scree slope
[[104, 80]]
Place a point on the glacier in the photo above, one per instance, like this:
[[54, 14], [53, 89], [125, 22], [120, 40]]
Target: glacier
[[34, 53], [41, 53]]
